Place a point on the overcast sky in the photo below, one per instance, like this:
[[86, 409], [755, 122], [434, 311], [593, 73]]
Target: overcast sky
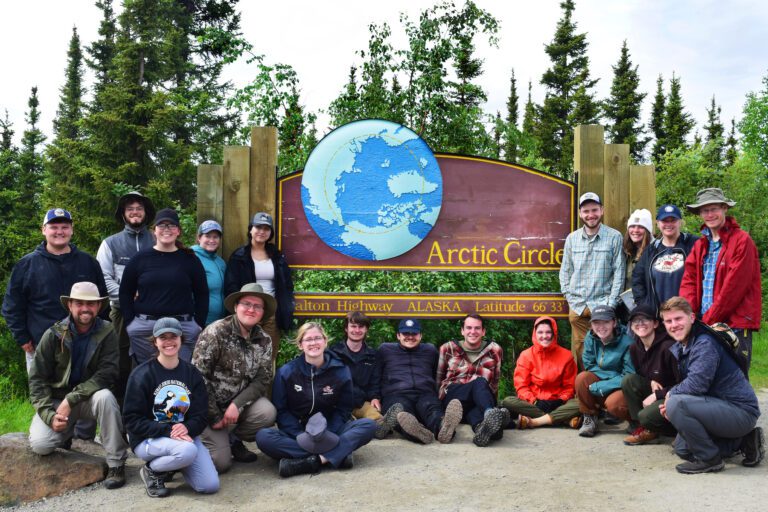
[[716, 47]]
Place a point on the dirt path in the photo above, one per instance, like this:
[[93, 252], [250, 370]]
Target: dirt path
[[536, 470]]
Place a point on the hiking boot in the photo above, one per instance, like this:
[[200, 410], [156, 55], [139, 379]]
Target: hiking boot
[[451, 420], [115, 477], [348, 462], [506, 417], [589, 426], [66, 445], [388, 421], [242, 454], [610, 419], [699, 466], [753, 448], [292, 467], [491, 424], [632, 427], [154, 482], [641, 435], [413, 428]]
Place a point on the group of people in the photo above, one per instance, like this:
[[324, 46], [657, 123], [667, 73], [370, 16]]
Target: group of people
[[172, 351]]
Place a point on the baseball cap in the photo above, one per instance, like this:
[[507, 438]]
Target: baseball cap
[[409, 325], [589, 196], [668, 210], [603, 312], [166, 324], [57, 214], [208, 226]]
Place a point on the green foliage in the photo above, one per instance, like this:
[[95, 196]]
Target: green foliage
[[658, 110], [758, 371], [715, 136], [569, 100], [754, 124], [677, 122], [622, 108], [510, 129]]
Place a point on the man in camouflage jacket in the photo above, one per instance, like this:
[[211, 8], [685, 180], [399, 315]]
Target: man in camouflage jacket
[[234, 355]]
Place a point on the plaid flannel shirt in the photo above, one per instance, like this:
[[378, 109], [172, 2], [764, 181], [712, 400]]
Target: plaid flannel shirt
[[708, 271], [454, 367]]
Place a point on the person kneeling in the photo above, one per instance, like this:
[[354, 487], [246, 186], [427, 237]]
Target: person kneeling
[[314, 382], [165, 411], [606, 362], [544, 380]]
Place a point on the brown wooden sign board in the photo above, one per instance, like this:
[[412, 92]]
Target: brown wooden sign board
[[494, 216], [435, 306]]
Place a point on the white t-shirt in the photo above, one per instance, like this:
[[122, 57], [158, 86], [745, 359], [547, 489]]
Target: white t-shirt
[[265, 275]]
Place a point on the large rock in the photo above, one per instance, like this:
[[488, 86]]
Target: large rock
[[25, 476]]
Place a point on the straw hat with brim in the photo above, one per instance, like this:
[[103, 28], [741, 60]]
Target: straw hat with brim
[[316, 437], [709, 196], [84, 290], [254, 290]]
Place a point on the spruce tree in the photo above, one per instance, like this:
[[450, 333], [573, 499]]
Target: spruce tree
[[677, 122], [658, 111], [511, 131], [30, 160], [569, 99], [622, 108], [102, 51], [70, 111], [530, 115], [731, 146], [714, 139], [499, 127], [346, 107]]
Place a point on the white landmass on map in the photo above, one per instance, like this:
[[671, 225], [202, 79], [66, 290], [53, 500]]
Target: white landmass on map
[[409, 182]]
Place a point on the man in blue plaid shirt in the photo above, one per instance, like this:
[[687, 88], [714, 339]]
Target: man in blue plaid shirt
[[592, 271]]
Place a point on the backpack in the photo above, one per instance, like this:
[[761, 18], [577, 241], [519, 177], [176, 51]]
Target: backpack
[[730, 342]]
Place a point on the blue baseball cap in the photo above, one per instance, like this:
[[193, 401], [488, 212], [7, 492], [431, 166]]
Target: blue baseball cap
[[409, 326], [668, 210], [57, 214], [208, 226]]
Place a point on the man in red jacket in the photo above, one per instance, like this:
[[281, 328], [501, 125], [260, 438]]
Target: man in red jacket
[[722, 273]]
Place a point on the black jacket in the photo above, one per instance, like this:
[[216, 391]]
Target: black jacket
[[301, 390], [642, 278], [657, 363], [31, 303], [240, 271], [405, 370], [366, 371]]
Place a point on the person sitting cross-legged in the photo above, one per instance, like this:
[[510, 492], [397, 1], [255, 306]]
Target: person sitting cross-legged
[[544, 380]]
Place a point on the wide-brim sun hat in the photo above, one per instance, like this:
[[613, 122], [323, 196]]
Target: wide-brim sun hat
[[254, 290], [149, 207], [707, 196], [84, 290]]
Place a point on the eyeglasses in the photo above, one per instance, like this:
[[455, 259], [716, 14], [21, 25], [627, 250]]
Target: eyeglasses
[[165, 227], [638, 321], [135, 209], [312, 340], [250, 306]]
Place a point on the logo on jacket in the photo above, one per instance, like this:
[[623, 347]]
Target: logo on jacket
[[297, 388], [327, 390]]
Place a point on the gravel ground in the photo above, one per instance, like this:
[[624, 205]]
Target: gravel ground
[[534, 470]]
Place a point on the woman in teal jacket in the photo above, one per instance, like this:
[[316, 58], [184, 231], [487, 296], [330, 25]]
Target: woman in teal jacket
[[606, 361], [208, 241]]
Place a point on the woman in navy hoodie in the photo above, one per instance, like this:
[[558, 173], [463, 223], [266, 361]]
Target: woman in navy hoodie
[[314, 382]]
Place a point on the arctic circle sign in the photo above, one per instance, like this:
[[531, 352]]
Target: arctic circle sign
[[372, 190]]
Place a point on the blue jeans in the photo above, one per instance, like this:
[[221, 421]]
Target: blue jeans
[[166, 454], [476, 397], [707, 427], [279, 445]]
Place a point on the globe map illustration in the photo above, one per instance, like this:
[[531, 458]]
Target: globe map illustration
[[372, 189]]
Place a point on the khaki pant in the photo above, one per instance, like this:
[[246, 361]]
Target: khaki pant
[[258, 415], [591, 404], [579, 328], [101, 407], [562, 414], [366, 411]]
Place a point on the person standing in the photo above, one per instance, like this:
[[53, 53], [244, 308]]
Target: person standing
[[468, 371], [592, 271], [208, 240], [135, 212], [721, 280], [260, 262], [164, 281], [31, 304], [75, 365], [234, 355], [658, 274]]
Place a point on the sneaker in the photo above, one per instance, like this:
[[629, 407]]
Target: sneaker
[[575, 422], [753, 448], [589, 426], [388, 421], [242, 454], [451, 419], [292, 467], [641, 435], [115, 477], [610, 419], [154, 482], [413, 428], [491, 424], [698, 466], [348, 462]]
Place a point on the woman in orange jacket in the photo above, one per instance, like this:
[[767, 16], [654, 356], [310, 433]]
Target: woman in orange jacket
[[544, 380]]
